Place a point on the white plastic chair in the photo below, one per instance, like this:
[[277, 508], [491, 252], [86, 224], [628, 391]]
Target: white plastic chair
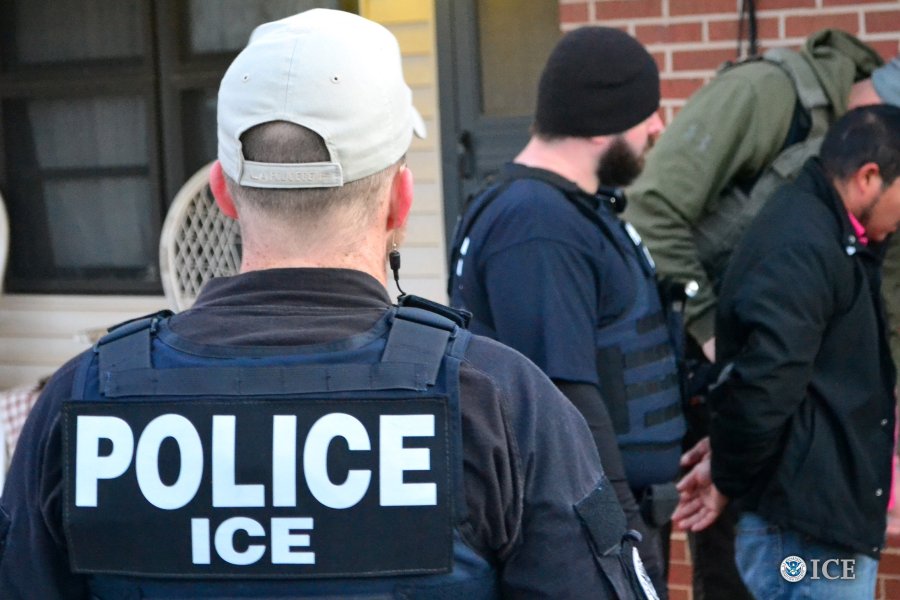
[[197, 243], [4, 254], [4, 241]]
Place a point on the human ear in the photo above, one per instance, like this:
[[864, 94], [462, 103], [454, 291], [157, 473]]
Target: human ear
[[220, 191], [401, 198]]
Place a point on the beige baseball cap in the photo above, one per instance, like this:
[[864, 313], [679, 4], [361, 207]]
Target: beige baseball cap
[[333, 72]]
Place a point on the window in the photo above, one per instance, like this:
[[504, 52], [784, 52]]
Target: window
[[106, 107], [511, 64], [491, 54]]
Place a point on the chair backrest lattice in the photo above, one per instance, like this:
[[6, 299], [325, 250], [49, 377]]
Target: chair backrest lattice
[[197, 243]]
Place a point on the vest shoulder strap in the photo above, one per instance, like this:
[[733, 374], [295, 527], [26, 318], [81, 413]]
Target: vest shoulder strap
[[477, 203], [791, 160], [413, 355], [422, 337], [809, 91], [127, 345], [718, 232]]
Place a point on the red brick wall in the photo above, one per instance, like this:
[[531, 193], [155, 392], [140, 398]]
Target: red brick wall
[[691, 38]]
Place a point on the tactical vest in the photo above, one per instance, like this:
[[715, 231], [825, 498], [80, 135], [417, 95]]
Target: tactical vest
[[637, 364], [639, 373], [717, 233], [332, 471]]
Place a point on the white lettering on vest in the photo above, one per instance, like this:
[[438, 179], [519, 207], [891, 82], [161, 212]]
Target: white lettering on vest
[[200, 541], [284, 460], [224, 541], [394, 459], [315, 460], [90, 467], [284, 540], [225, 492], [146, 462]]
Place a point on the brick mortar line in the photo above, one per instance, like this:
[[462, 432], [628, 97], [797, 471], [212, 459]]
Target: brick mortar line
[[697, 74], [680, 76], [718, 17], [683, 46], [668, 47], [880, 36]]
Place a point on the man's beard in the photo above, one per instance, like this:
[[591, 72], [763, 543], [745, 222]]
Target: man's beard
[[620, 165]]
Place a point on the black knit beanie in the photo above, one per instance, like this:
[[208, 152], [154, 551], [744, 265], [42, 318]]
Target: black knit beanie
[[597, 81]]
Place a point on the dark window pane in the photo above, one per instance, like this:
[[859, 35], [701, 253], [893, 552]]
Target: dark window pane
[[100, 222], [89, 132], [510, 68], [199, 112], [225, 25], [59, 31], [80, 194]]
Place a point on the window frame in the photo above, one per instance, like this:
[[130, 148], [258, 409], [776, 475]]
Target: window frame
[[162, 76], [70, 80]]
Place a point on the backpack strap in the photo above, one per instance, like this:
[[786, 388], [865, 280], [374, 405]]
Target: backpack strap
[[809, 91]]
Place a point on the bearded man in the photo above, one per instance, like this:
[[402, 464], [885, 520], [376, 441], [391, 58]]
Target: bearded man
[[545, 265]]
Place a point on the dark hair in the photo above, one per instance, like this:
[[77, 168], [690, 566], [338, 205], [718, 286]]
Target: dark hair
[[863, 135], [283, 142]]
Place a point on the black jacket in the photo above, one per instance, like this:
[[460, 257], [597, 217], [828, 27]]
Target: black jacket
[[802, 430]]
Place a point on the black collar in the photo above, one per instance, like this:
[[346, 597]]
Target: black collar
[[303, 287]]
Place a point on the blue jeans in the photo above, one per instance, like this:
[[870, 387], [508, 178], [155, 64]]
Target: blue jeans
[[760, 548]]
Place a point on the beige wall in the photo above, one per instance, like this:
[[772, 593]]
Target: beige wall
[[423, 254], [38, 333]]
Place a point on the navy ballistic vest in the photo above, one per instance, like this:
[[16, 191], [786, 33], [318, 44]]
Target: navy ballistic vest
[[638, 370], [332, 471], [637, 362]]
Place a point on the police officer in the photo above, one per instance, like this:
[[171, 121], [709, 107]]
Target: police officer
[[545, 265], [294, 434]]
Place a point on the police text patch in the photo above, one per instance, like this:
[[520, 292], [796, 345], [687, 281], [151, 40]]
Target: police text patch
[[262, 488]]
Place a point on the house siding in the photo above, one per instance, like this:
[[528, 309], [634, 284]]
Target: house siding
[[38, 333]]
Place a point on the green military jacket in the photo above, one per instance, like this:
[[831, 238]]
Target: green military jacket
[[727, 133]]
